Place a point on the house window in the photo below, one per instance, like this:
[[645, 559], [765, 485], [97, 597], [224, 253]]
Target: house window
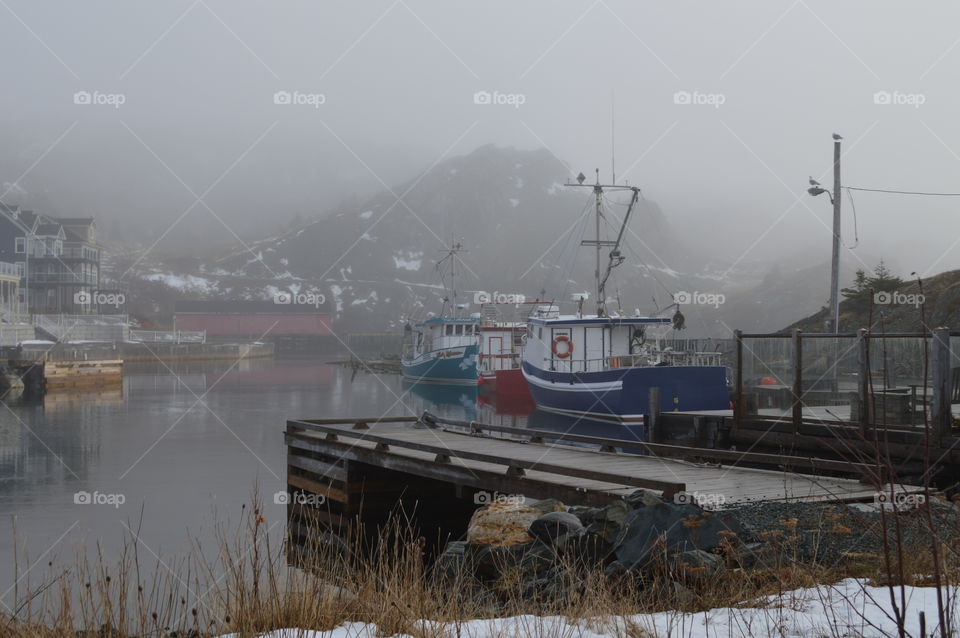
[[20, 245]]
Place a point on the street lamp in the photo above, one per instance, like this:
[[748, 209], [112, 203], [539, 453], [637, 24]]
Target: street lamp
[[814, 190]]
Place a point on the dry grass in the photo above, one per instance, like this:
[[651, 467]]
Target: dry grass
[[249, 589]]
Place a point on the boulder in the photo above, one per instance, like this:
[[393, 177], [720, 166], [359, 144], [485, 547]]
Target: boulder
[[491, 563], [607, 521], [450, 566], [506, 523], [642, 498], [756, 555], [589, 550], [585, 514], [651, 532], [696, 566], [509, 567], [555, 528]]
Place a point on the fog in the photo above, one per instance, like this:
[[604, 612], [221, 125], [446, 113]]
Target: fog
[[199, 119]]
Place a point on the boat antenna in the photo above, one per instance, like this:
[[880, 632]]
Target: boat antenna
[[613, 137]]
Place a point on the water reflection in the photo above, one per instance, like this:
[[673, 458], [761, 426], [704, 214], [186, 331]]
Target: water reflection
[[186, 443], [450, 401]]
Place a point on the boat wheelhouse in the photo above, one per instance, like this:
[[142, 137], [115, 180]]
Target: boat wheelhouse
[[442, 350]]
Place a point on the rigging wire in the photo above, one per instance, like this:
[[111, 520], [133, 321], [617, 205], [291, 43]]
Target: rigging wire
[[636, 253], [582, 218]]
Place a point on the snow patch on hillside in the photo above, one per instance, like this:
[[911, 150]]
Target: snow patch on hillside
[[184, 283], [408, 260], [336, 291]]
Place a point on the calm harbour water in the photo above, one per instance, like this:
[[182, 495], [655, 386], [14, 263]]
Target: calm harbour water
[[183, 447]]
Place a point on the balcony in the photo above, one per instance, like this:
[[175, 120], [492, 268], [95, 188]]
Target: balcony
[[87, 279], [10, 270], [85, 254]]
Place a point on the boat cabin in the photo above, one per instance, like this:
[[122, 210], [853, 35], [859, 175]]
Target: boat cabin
[[503, 328], [574, 343], [441, 333]]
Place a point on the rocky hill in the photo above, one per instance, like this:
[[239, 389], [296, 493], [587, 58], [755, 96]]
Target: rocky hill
[[911, 306]]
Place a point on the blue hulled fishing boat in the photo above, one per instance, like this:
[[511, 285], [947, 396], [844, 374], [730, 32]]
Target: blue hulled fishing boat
[[603, 365], [443, 349]]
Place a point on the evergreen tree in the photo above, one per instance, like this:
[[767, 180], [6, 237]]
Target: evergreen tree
[[860, 284], [883, 280]]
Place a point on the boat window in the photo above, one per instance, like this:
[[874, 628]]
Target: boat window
[[540, 333], [449, 329], [459, 329]]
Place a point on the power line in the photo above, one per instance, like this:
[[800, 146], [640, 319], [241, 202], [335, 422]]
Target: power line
[[856, 233], [884, 190]]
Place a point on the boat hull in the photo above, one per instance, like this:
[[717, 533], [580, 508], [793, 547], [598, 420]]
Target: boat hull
[[622, 395], [456, 365], [505, 382]]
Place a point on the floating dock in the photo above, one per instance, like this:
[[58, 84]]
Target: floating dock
[[82, 375]]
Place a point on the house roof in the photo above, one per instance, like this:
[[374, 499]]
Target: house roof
[[48, 229]]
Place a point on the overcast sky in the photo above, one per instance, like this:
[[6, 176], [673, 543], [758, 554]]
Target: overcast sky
[[387, 88]]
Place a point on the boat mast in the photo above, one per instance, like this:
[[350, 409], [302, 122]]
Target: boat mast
[[615, 259], [598, 193], [452, 253]]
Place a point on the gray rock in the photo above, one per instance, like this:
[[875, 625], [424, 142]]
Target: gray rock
[[607, 522], [588, 550], [450, 566], [488, 563], [642, 498], [555, 528], [756, 555], [536, 562], [668, 529], [696, 565], [585, 514]]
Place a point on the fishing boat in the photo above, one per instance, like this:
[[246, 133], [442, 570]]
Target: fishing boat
[[503, 328], [602, 366], [443, 349]]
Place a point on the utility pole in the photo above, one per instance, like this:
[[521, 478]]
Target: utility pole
[[835, 262]]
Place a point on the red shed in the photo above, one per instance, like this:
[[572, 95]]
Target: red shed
[[262, 320]]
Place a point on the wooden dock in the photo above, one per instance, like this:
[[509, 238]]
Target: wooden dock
[[82, 375], [438, 473]]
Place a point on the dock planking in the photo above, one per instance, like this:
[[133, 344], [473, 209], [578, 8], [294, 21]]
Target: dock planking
[[537, 468]]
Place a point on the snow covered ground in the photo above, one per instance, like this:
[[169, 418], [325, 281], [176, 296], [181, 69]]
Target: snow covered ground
[[849, 608]]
